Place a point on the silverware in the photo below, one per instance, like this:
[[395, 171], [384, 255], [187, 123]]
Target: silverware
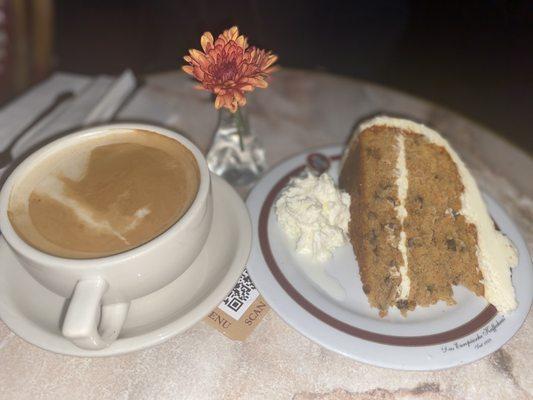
[[5, 156], [127, 100], [109, 105]]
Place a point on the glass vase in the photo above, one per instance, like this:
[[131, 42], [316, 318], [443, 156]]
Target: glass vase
[[236, 154]]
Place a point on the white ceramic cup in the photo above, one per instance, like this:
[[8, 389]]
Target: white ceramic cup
[[101, 289]]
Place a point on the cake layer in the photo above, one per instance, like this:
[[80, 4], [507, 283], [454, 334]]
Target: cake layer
[[441, 244], [375, 226]]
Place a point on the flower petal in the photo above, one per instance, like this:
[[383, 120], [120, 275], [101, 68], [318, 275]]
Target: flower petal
[[206, 41], [219, 102], [241, 42], [199, 57], [260, 83], [233, 32], [271, 70], [272, 58], [240, 98], [199, 73], [247, 88]]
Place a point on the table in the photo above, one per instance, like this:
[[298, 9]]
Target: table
[[300, 110]]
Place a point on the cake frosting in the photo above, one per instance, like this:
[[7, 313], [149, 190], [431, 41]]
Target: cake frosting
[[495, 253], [402, 182]]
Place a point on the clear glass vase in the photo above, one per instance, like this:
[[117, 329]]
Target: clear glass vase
[[236, 154]]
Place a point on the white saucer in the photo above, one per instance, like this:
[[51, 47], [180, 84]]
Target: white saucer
[[34, 313], [334, 311]]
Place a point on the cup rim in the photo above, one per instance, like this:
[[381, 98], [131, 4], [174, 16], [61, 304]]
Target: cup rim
[[15, 241]]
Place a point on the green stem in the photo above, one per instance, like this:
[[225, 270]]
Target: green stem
[[239, 121]]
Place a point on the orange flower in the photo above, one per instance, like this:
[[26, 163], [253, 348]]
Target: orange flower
[[229, 68]]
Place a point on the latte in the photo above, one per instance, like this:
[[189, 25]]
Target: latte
[[104, 195]]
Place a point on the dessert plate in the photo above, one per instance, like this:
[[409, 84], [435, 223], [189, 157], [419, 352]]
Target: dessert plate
[[34, 313], [326, 303]]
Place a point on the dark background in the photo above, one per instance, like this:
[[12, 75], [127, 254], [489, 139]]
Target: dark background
[[475, 57]]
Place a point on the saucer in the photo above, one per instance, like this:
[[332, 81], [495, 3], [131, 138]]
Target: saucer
[[152, 319]]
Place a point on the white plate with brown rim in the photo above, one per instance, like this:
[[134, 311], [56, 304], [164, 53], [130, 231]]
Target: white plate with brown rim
[[334, 311]]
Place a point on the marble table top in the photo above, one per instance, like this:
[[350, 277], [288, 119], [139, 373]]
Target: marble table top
[[300, 110]]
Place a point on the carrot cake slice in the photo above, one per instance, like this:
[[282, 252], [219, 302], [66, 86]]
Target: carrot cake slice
[[419, 224]]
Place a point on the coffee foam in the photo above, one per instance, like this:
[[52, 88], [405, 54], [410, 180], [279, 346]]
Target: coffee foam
[[52, 180], [54, 188]]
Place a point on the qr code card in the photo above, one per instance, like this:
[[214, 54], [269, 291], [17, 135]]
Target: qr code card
[[241, 311]]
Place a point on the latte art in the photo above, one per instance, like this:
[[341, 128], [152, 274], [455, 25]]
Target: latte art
[[105, 195]]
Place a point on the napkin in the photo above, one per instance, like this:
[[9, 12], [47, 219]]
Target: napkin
[[17, 115], [97, 100]]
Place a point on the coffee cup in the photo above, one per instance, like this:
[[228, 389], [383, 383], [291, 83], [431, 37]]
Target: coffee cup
[[101, 285]]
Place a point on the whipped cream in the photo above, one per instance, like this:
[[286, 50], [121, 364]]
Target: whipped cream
[[314, 214]]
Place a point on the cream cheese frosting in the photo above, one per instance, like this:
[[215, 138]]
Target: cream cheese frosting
[[495, 253], [402, 182]]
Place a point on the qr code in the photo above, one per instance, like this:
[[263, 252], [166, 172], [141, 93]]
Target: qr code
[[241, 297]]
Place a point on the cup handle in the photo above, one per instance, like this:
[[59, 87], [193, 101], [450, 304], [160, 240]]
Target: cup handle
[[89, 324]]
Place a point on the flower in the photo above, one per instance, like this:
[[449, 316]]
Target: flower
[[229, 68]]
